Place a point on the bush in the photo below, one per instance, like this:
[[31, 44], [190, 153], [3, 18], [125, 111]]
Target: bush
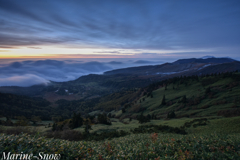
[[143, 119], [171, 115], [184, 99], [76, 121], [103, 119], [158, 128], [195, 123]]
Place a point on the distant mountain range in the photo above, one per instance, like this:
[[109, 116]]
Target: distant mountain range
[[183, 66], [134, 77]]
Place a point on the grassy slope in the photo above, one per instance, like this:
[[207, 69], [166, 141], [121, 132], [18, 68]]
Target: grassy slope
[[218, 125], [222, 98]]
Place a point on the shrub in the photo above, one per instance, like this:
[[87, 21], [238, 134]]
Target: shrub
[[171, 115], [158, 128], [143, 119], [103, 119], [195, 123], [76, 121]]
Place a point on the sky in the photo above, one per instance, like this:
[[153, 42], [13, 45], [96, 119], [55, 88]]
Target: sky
[[60, 40], [119, 28]]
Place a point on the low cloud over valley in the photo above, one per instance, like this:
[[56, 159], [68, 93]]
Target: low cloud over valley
[[31, 72]]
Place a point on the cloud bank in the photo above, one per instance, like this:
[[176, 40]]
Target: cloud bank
[[32, 72], [22, 80]]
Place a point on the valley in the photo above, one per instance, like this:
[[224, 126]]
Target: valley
[[195, 101]]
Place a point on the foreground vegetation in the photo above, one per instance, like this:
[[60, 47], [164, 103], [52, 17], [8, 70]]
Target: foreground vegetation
[[140, 146], [218, 139]]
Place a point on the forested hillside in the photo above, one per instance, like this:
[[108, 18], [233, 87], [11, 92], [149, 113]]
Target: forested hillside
[[193, 96]]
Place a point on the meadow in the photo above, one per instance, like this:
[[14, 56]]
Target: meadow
[[141, 146], [219, 139]]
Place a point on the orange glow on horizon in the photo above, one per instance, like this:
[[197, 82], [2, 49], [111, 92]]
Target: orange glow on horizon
[[58, 57], [48, 52], [59, 52]]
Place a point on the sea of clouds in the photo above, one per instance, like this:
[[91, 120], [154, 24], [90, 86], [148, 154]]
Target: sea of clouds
[[31, 72]]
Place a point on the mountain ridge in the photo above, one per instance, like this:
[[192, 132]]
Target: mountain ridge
[[97, 85], [177, 66]]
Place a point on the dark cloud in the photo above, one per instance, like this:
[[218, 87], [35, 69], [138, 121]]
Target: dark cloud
[[136, 24]]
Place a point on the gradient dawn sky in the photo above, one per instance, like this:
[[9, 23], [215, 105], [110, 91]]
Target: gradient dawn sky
[[119, 28]]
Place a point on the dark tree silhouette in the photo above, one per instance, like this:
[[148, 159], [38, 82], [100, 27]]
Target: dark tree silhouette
[[163, 100], [103, 119], [184, 99], [143, 119], [151, 95], [171, 114], [123, 110], [77, 121]]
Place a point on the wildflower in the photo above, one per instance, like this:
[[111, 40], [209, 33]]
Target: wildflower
[[147, 145], [100, 157], [154, 137], [158, 158]]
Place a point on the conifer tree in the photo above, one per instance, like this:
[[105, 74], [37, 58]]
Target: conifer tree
[[184, 99], [208, 90], [153, 116], [163, 100], [77, 121], [143, 119], [87, 123], [171, 114], [151, 95]]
